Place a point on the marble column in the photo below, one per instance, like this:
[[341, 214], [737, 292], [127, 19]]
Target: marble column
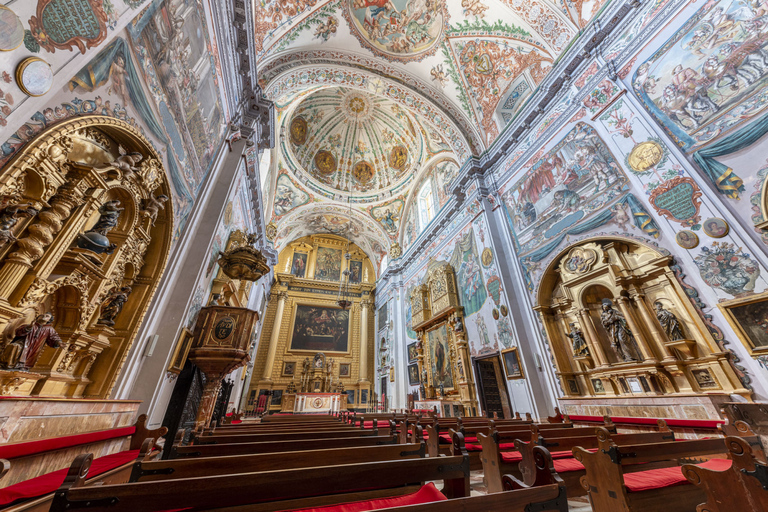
[[365, 305], [282, 297]]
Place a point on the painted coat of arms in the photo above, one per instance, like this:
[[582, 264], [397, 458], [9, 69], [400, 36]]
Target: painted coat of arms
[[66, 24], [728, 268]]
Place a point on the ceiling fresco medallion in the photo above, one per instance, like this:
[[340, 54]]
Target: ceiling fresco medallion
[[298, 131], [398, 30], [398, 157], [363, 172], [325, 162]]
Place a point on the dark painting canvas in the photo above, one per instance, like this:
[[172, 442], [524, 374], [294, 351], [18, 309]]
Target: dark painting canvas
[[299, 264], [320, 329]]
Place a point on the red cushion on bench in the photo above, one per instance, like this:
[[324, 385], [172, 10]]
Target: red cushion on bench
[[473, 447], [511, 457], [48, 483], [566, 465], [26, 448], [667, 477], [506, 446], [427, 494], [636, 420]]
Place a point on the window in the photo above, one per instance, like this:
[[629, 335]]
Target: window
[[426, 204], [383, 264]]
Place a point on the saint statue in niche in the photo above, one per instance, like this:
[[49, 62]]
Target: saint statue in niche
[[669, 322], [27, 343], [580, 348], [622, 339]]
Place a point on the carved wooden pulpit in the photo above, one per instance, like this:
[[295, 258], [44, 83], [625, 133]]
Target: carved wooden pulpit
[[221, 342]]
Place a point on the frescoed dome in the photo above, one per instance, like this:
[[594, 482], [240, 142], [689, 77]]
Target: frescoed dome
[[398, 30], [354, 143]]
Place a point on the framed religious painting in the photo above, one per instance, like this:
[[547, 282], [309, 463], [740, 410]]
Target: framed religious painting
[[355, 272], [299, 264], [289, 368], [181, 351], [412, 352], [512, 366], [749, 318], [344, 370], [413, 375], [320, 328], [438, 351]]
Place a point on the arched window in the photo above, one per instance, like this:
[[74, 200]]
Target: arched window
[[383, 264], [426, 204]]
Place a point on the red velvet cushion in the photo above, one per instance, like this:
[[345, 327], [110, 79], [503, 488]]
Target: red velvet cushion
[[636, 420], [667, 477], [566, 465], [368, 424], [506, 446], [445, 438], [427, 494], [235, 422], [26, 448], [473, 447], [48, 483], [511, 457]]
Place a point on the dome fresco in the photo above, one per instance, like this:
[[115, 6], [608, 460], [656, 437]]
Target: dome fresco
[[354, 143]]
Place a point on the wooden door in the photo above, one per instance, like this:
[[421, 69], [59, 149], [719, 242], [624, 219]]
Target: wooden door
[[493, 393]]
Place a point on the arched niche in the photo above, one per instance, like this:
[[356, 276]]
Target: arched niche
[[67, 173], [598, 302]]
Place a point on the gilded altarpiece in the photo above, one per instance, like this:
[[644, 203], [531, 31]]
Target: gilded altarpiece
[[85, 234], [303, 324], [442, 349], [620, 326]]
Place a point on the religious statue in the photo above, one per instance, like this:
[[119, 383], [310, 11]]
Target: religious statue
[[423, 384], [580, 348], [126, 163], [669, 322], [458, 325], [9, 217], [306, 364], [214, 299], [622, 339], [113, 305], [27, 343], [153, 205], [442, 390], [110, 212]]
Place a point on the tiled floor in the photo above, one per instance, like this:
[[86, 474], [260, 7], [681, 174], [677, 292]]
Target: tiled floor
[[478, 489]]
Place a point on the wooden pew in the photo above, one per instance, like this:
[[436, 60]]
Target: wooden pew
[[209, 466], [270, 428], [218, 450], [297, 418], [743, 486], [284, 436], [501, 453], [570, 470], [610, 489], [266, 491]]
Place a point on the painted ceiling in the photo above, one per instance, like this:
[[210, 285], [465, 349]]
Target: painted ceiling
[[369, 92]]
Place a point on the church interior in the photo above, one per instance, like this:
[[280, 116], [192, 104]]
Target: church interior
[[401, 255]]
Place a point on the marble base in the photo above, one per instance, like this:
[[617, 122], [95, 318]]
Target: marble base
[[691, 407], [31, 418]]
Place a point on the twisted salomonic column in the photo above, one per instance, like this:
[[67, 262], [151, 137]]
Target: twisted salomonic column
[[273, 340]]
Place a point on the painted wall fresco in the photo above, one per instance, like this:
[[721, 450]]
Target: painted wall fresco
[[710, 75], [288, 195]]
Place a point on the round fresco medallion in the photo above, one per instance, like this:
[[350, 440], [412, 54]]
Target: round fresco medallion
[[716, 228], [645, 155], [325, 162], [495, 314], [363, 172], [34, 76], [398, 157], [398, 30], [687, 239], [12, 34], [298, 131], [504, 310], [487, 256]]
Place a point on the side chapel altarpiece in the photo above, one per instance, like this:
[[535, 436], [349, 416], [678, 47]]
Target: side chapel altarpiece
[[442, 350], [620, 325], [85, 232]]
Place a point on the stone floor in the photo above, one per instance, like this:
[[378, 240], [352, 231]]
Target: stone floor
[[478, 489]]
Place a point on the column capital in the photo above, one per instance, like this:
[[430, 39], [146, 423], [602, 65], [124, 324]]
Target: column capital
[[366, 303], [280, 295]]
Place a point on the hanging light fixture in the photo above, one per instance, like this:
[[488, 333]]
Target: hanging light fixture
[[344, 300]]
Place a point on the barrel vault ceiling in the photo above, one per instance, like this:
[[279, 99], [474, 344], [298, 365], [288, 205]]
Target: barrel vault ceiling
[[371, 93]]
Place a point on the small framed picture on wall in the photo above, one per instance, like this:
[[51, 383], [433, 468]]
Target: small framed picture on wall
[[289, 368], [512, 366], [413, 374], [344, 370], [412, 353]]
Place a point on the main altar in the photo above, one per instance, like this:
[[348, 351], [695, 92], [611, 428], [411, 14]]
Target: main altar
[[318, 391], [318, 403]]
